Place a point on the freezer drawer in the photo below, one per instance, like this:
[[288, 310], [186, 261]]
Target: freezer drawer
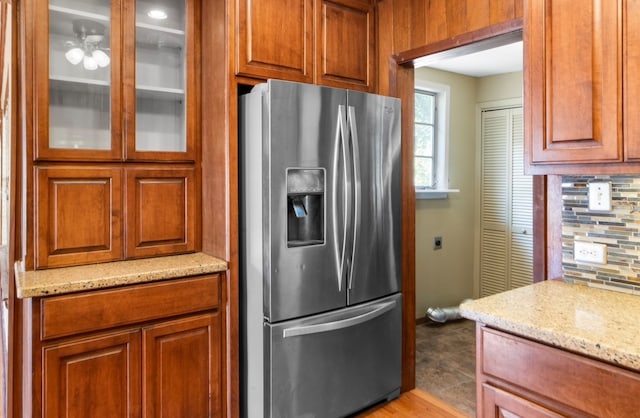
[[334, 364]]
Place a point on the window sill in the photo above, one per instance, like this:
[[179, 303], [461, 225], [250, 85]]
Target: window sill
[[434, 194]]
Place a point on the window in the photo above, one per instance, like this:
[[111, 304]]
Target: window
[[424, 130], [431, 149]]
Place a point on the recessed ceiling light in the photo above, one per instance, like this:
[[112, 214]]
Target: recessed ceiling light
[[157, 14]]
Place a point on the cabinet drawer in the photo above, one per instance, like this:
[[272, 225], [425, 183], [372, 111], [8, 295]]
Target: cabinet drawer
[[91, 311], [572, 380]]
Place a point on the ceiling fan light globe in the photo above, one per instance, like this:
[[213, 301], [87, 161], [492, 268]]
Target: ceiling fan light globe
[[157, 14], [74, 55], [89, 63], [100, 58]]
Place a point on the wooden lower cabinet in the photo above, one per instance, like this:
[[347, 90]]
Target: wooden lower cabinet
[[181, 376], [499, 403], [97, 377], [517, 377], [150, 367]]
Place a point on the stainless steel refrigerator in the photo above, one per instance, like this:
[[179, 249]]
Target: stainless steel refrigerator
[[320, 250]]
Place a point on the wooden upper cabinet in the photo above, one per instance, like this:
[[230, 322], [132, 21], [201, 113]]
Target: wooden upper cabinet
[[79, 216], [76, 94], [113, 81], [345, 44], [160, 211], [573, 81], [161, 80], [116, 88], [324, 42], [275, 39], [631, 38]]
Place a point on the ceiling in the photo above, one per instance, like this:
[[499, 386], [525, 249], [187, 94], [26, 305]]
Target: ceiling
[[499, 60]]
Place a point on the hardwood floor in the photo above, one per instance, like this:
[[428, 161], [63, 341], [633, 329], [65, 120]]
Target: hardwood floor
[[414, 404]]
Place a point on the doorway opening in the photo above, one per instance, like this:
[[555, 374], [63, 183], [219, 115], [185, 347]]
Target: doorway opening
[[402, 85], [484, 91]]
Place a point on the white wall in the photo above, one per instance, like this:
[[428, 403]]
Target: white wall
[[445, 277], [499, 87]]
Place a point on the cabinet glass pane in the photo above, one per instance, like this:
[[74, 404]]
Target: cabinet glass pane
[[79, 74], [160, 76]]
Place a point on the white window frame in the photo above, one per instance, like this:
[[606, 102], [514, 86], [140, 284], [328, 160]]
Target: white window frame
[[434, 140], [440, 189]]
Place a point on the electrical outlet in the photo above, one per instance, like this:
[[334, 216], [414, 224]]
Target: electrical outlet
[[437, 243], [590, 252], [600, 196]]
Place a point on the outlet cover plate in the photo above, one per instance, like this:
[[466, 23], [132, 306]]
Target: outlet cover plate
[[590, 252]]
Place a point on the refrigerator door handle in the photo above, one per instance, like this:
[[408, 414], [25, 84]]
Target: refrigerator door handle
[[376, 311], [340, 149], [357, 199]]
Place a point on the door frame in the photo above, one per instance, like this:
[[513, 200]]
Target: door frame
[[401, 85]]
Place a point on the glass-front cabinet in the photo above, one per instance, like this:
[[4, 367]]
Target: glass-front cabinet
[[111, 127], [160, 77], [121, 80]]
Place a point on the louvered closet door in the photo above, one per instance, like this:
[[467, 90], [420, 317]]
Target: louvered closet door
[[493, 211], [506, 204], [521, 248]]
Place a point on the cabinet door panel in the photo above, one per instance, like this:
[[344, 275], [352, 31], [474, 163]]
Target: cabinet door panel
[[631, 80], [79, 216], [77, 80], [182, 368], [98, 377], [161, 80], [161, 211], [573, 81], [275, 39], [498, 403], [345, 45]]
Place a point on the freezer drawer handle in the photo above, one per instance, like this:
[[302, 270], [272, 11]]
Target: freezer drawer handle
[[378, 310]]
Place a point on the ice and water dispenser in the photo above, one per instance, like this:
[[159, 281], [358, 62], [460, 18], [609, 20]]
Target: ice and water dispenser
[[305, 206]]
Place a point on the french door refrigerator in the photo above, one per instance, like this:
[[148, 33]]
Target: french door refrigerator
[[319, 249]]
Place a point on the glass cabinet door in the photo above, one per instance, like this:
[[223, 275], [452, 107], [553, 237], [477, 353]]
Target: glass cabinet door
[[80, 100], [161, 81]]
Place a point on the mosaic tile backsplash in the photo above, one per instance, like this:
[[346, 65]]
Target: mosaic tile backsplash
[[619, 229]]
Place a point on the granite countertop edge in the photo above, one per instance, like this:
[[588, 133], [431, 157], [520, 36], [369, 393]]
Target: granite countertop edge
[[592, 322], [63, 280]]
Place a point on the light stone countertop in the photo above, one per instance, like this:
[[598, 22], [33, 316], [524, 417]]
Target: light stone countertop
[[599, 323], [96, 276]]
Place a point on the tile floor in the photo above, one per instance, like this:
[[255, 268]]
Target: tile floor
[[445, 362]]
